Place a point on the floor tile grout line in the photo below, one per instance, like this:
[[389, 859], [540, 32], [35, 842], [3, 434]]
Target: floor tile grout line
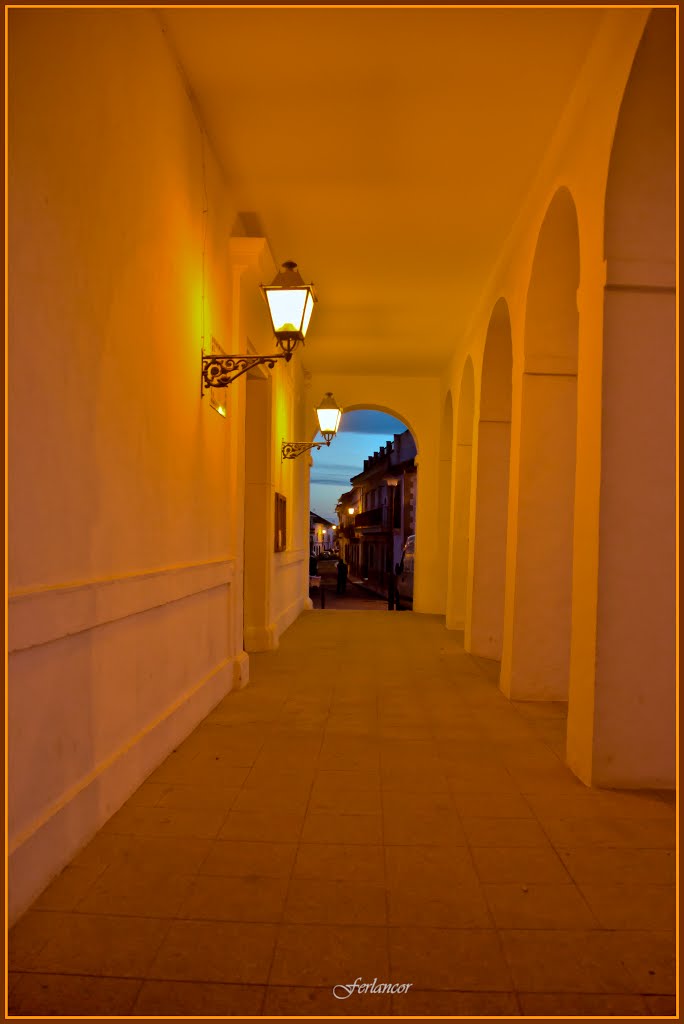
[[136, 997], [574, 883], [198, 919], [88, 890]]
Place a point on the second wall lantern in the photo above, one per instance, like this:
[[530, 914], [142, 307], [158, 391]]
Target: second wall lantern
[[329, 416]]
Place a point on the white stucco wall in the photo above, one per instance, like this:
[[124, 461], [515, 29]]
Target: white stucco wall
[[124, 515]]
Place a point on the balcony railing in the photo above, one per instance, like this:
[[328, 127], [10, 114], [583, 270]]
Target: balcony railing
[[377, 517]]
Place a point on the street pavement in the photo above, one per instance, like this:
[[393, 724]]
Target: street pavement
[[355, 597]]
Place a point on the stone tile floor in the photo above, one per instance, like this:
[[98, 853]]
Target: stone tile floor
[[371, 807]]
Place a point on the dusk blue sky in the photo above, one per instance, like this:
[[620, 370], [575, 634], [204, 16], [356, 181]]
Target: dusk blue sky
[[361, 433]]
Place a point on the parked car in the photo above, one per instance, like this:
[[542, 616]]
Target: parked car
[[404, 582]]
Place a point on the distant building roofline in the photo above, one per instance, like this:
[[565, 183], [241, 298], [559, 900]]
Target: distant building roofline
[[319, 519]]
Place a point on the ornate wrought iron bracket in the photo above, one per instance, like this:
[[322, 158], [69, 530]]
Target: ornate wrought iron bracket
[[291, 449], [220, 371]]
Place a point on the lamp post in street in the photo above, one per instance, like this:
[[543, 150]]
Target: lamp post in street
[[391, 482]]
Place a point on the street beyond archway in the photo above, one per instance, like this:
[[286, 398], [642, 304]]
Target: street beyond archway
[[357, 595]]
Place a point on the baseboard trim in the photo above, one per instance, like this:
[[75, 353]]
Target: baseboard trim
[[241, 671], [261, 638], [45, 847], [290, 614]]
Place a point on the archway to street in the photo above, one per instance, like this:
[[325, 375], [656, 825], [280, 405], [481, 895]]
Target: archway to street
[[363, 493]]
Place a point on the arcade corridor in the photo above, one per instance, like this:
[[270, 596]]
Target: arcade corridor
[[221, 800], [370, 806]]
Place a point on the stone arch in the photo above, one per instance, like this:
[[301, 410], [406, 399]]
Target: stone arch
[[460, 501], [536, 649], [551, 316], [385, 515], [391, 411], [621, 729], [466, 401], [640, 220], [484, 622], [417, 402]]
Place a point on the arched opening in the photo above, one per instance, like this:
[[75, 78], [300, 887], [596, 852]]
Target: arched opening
[[536, 654], [460, 516], [484, 623], [396, 414], [446, 440], [363, 507], [623, 733]]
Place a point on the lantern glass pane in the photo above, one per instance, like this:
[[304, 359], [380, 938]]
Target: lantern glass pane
[[287, 307], [329, 420], [308, 309]]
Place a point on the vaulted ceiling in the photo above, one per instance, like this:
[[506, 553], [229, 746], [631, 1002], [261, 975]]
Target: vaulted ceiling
[[387, 151]]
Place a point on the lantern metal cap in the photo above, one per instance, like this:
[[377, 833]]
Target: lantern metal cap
[[327, 402], [289, 277]]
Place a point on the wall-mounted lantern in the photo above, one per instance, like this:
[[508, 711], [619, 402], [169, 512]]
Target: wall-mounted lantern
[[290, 304], [329, 415]]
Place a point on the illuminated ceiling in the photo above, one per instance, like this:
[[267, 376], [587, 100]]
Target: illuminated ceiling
[[387, 151]]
